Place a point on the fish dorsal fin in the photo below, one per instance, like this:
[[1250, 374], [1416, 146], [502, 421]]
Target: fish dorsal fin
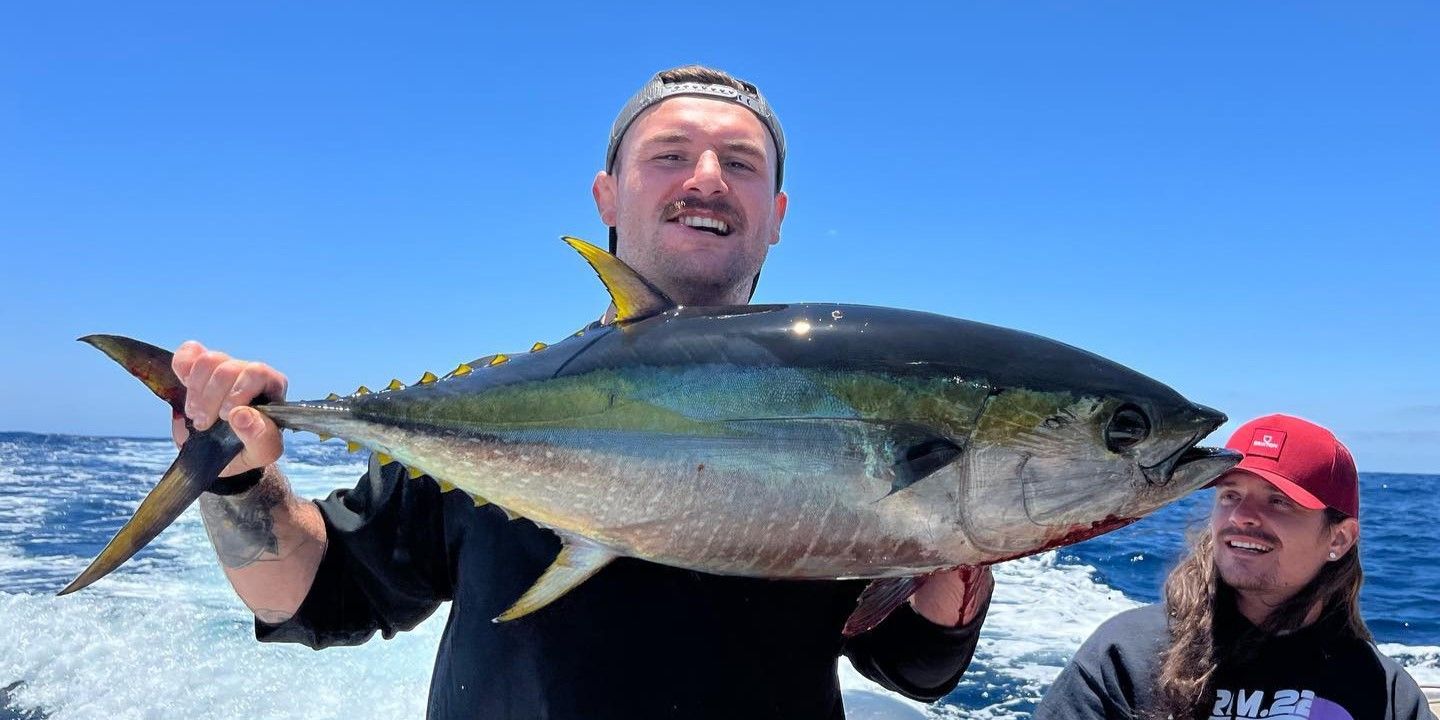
[[634, 297], [577, 561]]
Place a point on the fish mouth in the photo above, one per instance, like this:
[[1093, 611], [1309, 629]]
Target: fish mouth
[[1196, 467], [1191, 466]]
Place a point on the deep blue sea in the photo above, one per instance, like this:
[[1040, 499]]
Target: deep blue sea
[[164, 637]]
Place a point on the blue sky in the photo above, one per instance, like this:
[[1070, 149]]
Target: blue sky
[[1241, 199]]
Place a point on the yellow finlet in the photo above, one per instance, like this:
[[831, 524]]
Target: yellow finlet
[[461, 370], [427, 378], [499, 360], [537, 347], [479, 501], [362, 390], [352, 447], [332, 397], [445, 486], [395, 384], [384, 459], [323, 436], [633, 295], [414, 473]]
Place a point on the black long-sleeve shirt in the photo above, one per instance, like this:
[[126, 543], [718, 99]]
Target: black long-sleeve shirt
[[638, 640], [1315, 673]]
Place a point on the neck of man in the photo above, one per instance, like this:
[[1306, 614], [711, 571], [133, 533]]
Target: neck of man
[[736, 296], [1257, 607]]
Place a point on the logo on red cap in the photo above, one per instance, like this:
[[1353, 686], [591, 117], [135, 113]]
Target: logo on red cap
[[1267, 443]]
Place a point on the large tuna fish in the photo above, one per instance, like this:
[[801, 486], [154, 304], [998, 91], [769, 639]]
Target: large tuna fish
[[783, 441]]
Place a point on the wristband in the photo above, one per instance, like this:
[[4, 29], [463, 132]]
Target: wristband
[[236, 484]]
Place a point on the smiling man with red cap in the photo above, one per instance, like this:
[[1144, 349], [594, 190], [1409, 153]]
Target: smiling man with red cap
[[1262, 619]]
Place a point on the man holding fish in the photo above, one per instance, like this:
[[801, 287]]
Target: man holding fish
[[692, 194]]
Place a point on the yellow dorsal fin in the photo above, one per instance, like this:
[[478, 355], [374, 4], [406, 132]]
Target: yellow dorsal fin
[[362, 390], [461, 369], [427, 378], [633, 295], [537, 347], [395, 384], [332, 397], [499, 359]]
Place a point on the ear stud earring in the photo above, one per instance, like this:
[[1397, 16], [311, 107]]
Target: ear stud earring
[[1333, 556]]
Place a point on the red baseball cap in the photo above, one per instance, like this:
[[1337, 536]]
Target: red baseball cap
[[1302, 459]]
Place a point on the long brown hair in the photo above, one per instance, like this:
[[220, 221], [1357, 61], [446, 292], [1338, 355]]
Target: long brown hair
[[1194, 592]]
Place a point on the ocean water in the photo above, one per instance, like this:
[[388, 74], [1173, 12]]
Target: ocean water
[[164, 637]]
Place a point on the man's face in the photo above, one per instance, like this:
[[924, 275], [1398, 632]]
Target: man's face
[[1267, 546], [693, 199]]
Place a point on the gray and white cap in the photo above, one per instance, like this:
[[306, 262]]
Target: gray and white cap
[[657, 89]]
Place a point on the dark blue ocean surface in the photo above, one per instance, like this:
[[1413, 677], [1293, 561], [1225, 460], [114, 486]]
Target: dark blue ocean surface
[[170, 608]]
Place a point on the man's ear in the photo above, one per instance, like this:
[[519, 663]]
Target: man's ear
[[1343, 536], [604, 191], [782, 201]]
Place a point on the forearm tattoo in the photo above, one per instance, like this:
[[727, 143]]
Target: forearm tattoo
[[242, 527]]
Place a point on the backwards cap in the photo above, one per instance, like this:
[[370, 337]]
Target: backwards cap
[[657, 89]]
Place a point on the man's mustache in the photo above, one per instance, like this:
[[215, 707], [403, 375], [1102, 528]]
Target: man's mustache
[[719, 207], [1257, 535]]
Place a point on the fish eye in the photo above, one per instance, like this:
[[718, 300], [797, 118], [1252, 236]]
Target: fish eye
[[1128, 428]]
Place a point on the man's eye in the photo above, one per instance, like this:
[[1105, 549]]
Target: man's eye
[[669, 156], [737, 165]]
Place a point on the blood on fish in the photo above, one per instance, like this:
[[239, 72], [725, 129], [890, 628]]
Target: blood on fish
[[1075, 534]]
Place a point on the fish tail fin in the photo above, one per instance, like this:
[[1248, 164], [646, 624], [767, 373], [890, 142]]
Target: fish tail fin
[[202, 457], [149, 365]]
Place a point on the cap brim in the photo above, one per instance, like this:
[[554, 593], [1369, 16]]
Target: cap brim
[[1286, 485]]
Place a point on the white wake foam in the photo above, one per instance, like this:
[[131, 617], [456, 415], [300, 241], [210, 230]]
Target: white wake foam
[[164, 636]]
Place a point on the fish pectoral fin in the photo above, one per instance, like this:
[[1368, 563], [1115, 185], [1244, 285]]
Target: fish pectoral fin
[[634, 297], [918, 455], [878, 600], [577, 561], [913, 450]]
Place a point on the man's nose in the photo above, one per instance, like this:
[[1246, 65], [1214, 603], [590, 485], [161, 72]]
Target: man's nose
[[1244, 514], [708, 178]]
